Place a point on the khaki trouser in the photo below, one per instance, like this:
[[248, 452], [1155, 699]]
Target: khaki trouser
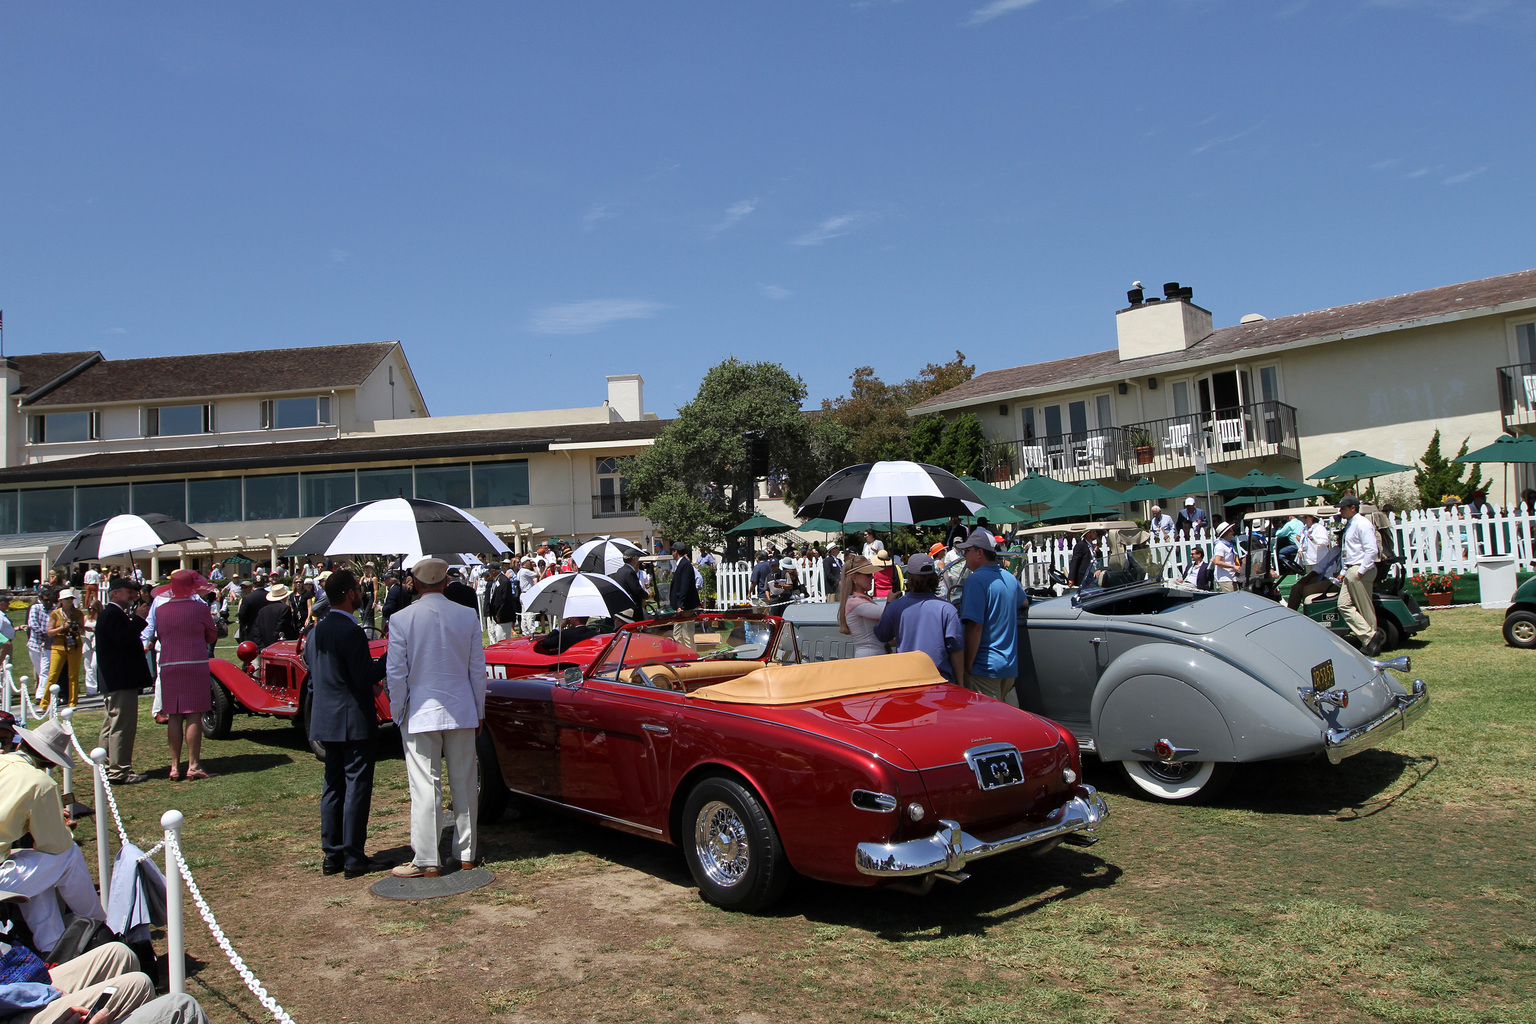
[[993, 686], [1304, 587], [82, 979], [425, 753], [1355, 602], [64, 669], [119, 729]]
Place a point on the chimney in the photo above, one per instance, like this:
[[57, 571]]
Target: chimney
[[626, 401], [1150, 327]]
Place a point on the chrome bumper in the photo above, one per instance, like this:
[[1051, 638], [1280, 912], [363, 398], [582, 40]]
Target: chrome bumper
[[950, 849], [1341, 743]]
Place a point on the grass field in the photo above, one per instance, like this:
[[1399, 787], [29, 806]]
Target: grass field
[[1397, 886]]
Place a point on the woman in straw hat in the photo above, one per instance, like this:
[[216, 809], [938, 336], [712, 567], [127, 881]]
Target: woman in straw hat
[[857, 612]]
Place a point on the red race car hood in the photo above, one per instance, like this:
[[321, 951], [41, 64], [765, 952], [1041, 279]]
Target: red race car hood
[[920, 727]]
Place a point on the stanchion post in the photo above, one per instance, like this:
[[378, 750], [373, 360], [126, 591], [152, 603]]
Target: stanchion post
[[175, 952], [5, 680], [103, 843], [66, 718], [21, 709]]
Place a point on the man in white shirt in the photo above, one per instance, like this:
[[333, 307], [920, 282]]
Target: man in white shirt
[[527, 579], [1317, 555], [1161, 524], [436, 678], [1359, 552], [1224, 558]]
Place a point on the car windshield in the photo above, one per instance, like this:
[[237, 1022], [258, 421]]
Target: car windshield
[[708, 638]]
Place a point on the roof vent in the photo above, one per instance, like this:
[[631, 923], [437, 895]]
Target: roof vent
[[1253, 318], [1171, 290], [1135, 295]]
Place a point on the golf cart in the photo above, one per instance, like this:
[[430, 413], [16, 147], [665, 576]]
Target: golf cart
[[1397, 613]]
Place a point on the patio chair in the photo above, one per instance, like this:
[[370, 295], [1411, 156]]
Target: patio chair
[[1178, 438], [1530, 390], [1032, 456], [1092, 453], [1230, 432]]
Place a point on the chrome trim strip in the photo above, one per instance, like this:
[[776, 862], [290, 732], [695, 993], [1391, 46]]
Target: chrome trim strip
[[582, 810], [1405, 709], [951, 848], [884, 802]]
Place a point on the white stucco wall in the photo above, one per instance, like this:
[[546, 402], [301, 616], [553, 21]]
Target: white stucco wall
[[237, 414], [373, 400]]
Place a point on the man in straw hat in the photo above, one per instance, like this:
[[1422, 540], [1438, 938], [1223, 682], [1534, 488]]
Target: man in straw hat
[[436, 673]]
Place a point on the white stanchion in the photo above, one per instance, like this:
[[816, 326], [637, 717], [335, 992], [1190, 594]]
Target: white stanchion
[[175, 951], [21, 691], [5, 685], [103, 840], [66, 721]]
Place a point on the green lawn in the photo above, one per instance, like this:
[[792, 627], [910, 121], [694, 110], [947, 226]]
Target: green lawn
[[1397, 886]]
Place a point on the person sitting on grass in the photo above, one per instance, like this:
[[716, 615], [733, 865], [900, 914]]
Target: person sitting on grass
[[71, 991]]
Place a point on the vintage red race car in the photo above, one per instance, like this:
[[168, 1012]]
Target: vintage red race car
[[706, 732]]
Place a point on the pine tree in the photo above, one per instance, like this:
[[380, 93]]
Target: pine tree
[[1439, 478]]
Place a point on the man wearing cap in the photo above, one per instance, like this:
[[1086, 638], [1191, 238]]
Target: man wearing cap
[[1161, 524], [1192, 519], [1358, 553], [124, 676], [921, 621], [990, 611], [436, 673]]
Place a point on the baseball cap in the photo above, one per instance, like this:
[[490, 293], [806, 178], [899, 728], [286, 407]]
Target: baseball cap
[[430, 571], [979, 538], [921, 565], [1188, 502]]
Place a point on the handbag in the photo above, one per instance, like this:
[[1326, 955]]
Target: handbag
[[81, 935], [20, 964]]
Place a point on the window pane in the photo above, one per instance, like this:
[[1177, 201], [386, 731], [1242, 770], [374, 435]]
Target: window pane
[[324, 405], [377, 484], [181, 419], [93, 504], [1181, 398], [1106, 411], [1053, 420], [169, 498], [8, 522], [272, 497], [503, 483], [1027, 417], [1269, 383], [324, 493], [67, 426], [1077, 412], [295, 412], [213, 501], [48, 511], [448, 484], [1525, 340]]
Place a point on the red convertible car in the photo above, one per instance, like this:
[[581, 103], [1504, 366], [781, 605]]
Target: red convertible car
[[704, 731]]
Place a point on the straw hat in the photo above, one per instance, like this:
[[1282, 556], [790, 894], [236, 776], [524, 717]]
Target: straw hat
[[883, 559], [278, 592], [858, 565], [49, 740]]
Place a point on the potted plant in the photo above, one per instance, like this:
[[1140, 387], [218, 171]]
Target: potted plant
[[1438, 587], [1141, 440]]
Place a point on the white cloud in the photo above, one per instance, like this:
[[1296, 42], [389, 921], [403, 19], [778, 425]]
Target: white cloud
[[996, 9], [733, 215], [1422, 171], [773, 291], [832, 227], [1211, 143], [595, 216], [591, 315], [1457, 179]]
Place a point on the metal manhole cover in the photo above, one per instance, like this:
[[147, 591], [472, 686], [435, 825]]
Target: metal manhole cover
[[391, 888]]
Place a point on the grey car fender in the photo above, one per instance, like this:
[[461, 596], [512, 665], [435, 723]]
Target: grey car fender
[[1197, 702]]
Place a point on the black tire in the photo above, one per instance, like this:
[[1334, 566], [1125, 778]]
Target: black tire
[[220, 715], [494, 794], [731, 846], [1178, 782], [301, 722], [371, 631], [1520, 629], [1392, 631]]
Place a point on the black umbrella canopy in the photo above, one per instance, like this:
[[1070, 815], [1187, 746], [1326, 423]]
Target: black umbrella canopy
[[571, 594], [893, 492], [119, 535], [395, 525], [604, 555]]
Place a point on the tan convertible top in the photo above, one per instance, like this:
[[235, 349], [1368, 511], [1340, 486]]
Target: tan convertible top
[[821, 680]]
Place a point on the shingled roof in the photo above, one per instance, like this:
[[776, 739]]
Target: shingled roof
[[1481, 297], [203, 375], [363, 448], [44, 368]]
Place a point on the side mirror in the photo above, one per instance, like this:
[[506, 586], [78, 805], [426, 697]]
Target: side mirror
[[572, 678]]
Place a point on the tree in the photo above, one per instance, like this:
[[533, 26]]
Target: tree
[[694, 482], [874, 413], [960, 450], [1439, 477]]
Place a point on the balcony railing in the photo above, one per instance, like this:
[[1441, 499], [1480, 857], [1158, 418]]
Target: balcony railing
[[1517, 394], [1226, 435], [619, 504]]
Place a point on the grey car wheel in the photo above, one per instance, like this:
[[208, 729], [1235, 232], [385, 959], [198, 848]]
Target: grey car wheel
[[731, 846], [1178, 781]]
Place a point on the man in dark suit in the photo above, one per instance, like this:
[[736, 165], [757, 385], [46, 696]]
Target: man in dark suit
[[460, 592], [343, 679], [124, 673], [395, 598], [684, 593], [628, 577], [503, 602], [252, 600]]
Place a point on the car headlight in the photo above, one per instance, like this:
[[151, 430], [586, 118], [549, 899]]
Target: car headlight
[[915, 811]]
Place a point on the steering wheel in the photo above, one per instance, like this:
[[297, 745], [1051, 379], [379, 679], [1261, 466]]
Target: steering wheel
[[661, 677]]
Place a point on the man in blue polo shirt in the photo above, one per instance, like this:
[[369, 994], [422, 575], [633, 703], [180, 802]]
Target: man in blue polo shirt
[[922, 621], [990, 613]]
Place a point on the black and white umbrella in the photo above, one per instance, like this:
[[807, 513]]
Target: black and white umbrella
[[604, 554], [571, 594], [891, 492], [122, 534], [397, 525]]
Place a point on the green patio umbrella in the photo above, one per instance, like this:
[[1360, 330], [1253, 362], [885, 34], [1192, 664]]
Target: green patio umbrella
[[760, 522], [1036, 489], [821, 526], [1507, 448], [1144, 490], [1280, 498], [992, 513], [1084, 509], [1198, 484], [1357, 466], [1090, 490], [988, 493]]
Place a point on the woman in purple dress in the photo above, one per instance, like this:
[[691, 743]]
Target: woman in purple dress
[[185, 628]]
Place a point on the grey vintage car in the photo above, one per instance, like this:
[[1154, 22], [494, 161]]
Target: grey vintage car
[[1177, 686]]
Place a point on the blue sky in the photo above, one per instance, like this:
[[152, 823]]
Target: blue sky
[[532, 195]]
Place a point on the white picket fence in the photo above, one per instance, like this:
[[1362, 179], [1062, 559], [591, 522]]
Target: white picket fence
[[733, 582]]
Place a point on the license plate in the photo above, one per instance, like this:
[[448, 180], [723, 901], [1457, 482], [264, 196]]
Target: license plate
[[999, 769], [1322, 675]]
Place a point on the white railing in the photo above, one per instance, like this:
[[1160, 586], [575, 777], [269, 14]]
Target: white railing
[[1435, 540], [733, 582]]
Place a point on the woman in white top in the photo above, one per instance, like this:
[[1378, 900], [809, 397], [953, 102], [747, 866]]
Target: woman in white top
[[857, 612], [1225, 559]]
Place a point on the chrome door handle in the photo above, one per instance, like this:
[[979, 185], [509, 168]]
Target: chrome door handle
[[1098, 640], [659, 730]]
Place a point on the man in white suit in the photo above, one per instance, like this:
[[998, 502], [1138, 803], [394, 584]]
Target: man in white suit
[[436, 678]]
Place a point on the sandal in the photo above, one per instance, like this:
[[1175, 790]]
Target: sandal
[[175, 773], [198, 773]]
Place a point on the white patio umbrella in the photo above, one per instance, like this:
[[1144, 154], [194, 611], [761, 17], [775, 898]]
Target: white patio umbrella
[[397, 524], [121, 534], [571, 594], [604, 554]]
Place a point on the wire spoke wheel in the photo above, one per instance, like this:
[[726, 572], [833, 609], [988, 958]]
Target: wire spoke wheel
[[732, 848], [1189, 781], [720, 840]]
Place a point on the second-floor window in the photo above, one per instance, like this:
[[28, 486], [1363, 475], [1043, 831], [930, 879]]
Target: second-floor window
[[173, 420], [55, 427], [610, 498], [283, 413]]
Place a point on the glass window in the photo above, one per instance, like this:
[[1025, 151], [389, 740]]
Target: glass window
[[169, 420], [1077, 412], [295, 412], [1105, 409], [449, 484], [324, 493], [1027, 419], [501, 483], [1053, 420], [8, 519], [93, 504], [64, 426], [213, 501], [168, 497], [1525, 342], [1269, 383], [611, 487], [1181, 398], [377, 484], [51, 510], [272, 497]]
